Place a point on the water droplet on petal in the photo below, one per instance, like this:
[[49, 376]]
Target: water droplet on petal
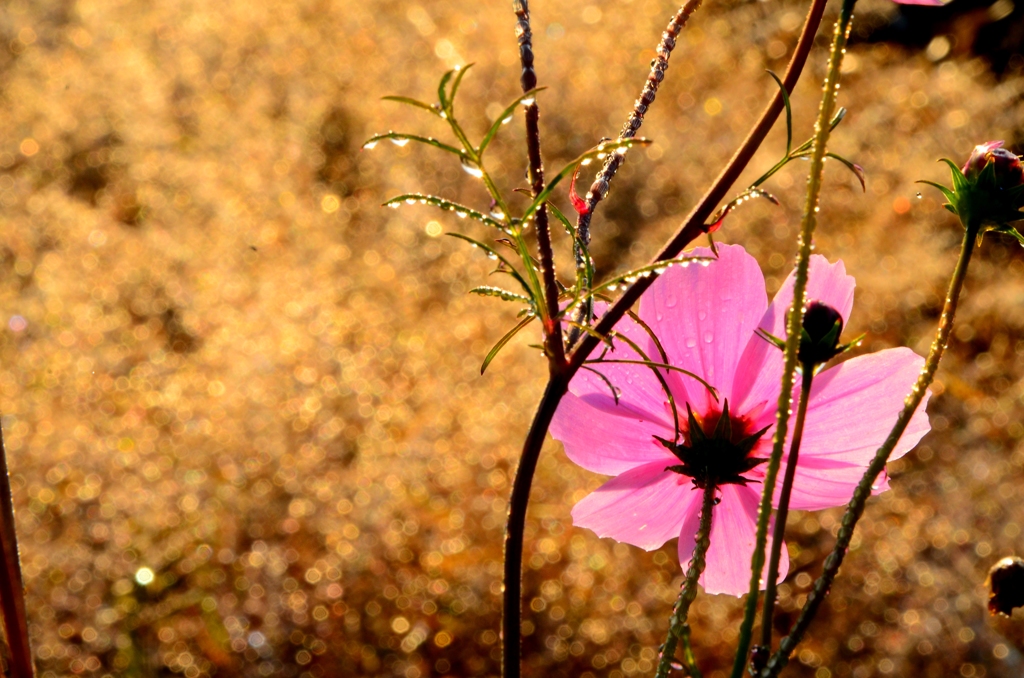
[[708, 337], [691, 342]]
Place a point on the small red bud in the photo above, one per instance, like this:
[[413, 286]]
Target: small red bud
[[1008, 169], [579, 204]]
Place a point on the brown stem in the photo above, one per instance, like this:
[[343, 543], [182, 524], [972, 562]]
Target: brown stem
[[558, 383], [553, 346], [513, 594], [12, 588]]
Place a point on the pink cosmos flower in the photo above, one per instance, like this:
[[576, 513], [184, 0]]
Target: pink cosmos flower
[[706, 318]]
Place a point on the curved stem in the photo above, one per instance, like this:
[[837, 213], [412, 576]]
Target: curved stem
[[678, 625], [553, 347], [12, 587], [793, 323], [782, 512], [513, 593], [558, 384], [863, 491]]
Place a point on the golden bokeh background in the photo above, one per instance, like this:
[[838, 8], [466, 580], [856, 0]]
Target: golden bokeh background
[[242, 403]]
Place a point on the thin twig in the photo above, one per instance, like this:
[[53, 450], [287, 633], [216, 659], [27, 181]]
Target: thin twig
[[553, 346], [12, 587], [599, 188], [558, 384], [822, 129], [860, 496]]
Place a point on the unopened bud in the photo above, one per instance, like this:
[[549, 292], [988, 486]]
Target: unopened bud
[[988, 191], [822, 326], [1006, 585], [1006, 165]]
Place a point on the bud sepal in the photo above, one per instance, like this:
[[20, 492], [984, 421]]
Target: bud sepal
[[988, 192]]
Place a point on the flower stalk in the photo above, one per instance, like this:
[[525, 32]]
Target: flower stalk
[[793, 322], [782, 513], [678, 624], [855, 509]]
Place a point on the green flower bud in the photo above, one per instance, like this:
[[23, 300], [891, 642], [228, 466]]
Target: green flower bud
[[988, 191], [819, 340]]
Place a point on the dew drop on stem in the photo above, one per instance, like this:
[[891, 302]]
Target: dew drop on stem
[[471, 168]]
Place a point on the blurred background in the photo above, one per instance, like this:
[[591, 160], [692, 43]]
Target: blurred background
[[242, 404]]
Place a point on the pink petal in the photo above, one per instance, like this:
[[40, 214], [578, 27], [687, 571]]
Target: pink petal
[[852, 408], [760, 371], [733, 531], [644, 507], [704, 317], [608, 439], [606, 436], [822, 483]]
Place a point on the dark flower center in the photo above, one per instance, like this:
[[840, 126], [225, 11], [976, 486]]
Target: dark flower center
[[717, 450]]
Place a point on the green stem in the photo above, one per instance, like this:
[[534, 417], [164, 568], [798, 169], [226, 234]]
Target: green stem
[[863, 491], [782, 512], [678, 625], [793, 323]]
